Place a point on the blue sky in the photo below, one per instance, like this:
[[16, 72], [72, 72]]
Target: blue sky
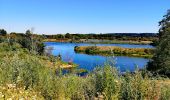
[[82, 16]]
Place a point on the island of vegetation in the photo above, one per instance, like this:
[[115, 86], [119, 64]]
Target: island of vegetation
[[116, 51], [26, 75]]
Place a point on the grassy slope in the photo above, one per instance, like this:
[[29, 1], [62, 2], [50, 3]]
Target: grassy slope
[[11, 55]]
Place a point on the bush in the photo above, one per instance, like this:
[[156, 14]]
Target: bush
[[91, 50], [165, 92], [107, 82], [137, 87]]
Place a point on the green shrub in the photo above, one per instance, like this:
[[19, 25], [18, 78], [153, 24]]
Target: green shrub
[[91, 50], [107, 82], [165, 92], [138, 87]]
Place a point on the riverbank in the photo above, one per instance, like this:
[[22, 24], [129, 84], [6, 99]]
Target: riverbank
[[27, 75], [97, 41], [59, 64], [51, 62], [113, 50]]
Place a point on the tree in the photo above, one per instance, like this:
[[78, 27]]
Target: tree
[[32, 42], [28, 33], [160, 63], [68, 35], [3, 32]]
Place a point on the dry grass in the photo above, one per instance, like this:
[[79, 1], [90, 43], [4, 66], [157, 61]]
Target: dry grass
[[56, 40], [107, 50]]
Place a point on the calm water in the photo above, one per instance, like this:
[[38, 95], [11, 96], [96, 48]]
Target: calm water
[[89, 62]]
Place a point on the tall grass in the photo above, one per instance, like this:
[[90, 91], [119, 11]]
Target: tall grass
[[109, 50]]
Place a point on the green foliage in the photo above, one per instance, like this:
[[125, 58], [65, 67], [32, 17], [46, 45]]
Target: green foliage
[[106, 82], [165, 94], [28, 72], [161, 61], [136, 87], [68, 35], [21, 70], [28, 33], [91, 50], [3, 32], [107, 36], [2, 39], [29, 41], [110, 50], [8, 47]]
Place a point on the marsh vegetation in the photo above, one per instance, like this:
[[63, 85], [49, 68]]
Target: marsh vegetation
[[117, 51]]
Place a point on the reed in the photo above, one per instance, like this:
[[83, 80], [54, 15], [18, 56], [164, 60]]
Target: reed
[[113, 50]]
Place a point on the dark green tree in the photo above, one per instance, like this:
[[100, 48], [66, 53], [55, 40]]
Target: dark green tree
[[60, 36], [32, 42], [40, 47], [68, 35], [160, 63], [28, 33], [3, 32]]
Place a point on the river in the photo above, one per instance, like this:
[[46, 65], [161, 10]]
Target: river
[[89, 62]]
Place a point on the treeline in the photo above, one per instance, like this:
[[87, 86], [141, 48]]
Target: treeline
[[108, 36], [28, 40]]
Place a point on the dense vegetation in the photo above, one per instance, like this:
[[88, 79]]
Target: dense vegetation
[[25, 75], [107, 36], [119, 38], [30, 41], [160, 64], [127, 38], [113, 50]]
